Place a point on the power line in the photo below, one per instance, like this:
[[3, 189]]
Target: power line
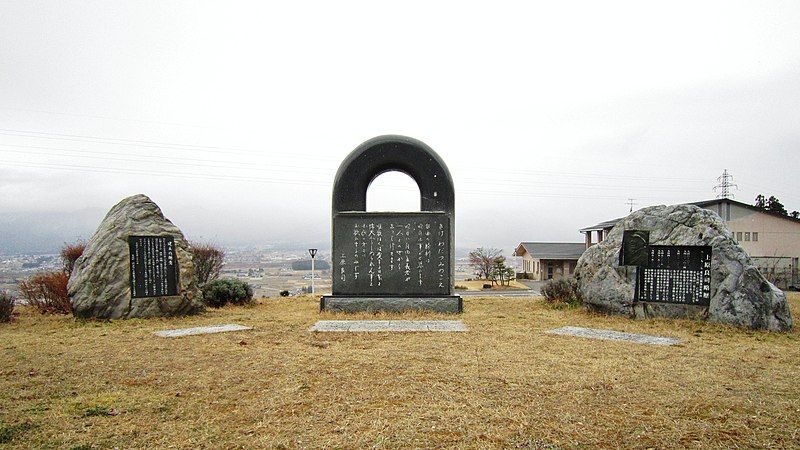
[[92, 116], [183, 162], [783, 194], [156, 159], [604, 176], [148, 144], [237, 150], [94, 169], [80, 168]]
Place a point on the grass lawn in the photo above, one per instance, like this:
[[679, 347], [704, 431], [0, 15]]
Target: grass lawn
[[70, 384]]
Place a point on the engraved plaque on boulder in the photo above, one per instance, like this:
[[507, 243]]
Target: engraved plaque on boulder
[[634, 248], [154, 266], [676, 274], [393, 261]]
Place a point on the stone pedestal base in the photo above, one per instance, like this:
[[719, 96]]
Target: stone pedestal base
[[450, 304]]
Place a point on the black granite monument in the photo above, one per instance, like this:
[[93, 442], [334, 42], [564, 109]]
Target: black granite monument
[[667, 273], [393, 261], [154, 266]]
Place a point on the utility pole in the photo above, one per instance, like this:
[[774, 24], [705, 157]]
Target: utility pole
[[313, 253], [631, 202], [726, 185]]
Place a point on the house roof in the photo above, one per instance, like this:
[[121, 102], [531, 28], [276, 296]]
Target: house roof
[[551, 250], [707, 203], [601, 225]]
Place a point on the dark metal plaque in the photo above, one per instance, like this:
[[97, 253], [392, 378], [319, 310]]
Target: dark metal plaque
[[676, 274], [154, 266], [634, 248], [391, 254]]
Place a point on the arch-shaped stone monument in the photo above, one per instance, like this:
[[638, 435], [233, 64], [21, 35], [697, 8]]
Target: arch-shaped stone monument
[[393, 261]]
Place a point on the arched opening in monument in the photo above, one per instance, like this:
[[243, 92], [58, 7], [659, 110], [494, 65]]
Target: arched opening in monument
[[393, 191]]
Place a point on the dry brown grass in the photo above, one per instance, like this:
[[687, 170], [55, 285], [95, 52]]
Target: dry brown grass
[[477, 285], [66, 383]]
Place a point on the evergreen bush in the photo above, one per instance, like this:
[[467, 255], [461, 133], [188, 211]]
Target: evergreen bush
[[562, 290], [218, 293], [6, 306]]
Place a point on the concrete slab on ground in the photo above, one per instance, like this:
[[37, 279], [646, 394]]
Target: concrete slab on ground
[[534, 285], [614, 335], [388, 325], [502, 294], [202, 330]]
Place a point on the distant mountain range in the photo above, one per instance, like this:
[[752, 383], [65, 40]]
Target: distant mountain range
[[45, 232]]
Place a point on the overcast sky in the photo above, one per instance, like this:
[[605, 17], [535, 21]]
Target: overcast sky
[[234, 117]]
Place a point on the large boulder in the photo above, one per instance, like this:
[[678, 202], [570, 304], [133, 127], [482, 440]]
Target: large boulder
[[740, 295], [100, 284]]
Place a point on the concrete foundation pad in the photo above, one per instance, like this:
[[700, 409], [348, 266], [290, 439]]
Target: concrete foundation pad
[[388, 325], [614, 335], [201, 330], [451, 304]]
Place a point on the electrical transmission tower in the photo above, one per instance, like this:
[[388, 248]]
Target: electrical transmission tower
[[631, 203], [726, 185]]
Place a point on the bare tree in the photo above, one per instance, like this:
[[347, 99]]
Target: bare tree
[[47, 292], [208, 261], [774, 271], [70, 254], [483, 260]]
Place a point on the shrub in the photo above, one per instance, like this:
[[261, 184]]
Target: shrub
[[562, 290], [6, 306], [284, 293], [208, 261], [460, 287], [47, 292], [70, 254], [219, 292]]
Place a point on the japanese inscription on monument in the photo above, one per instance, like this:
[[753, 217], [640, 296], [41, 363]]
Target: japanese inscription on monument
[[676, 274], [154, 271], [404, 253]]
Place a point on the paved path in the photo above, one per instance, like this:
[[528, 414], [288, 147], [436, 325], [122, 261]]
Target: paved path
[[202, 330], [615, 335], [521, 293], [388, 325]]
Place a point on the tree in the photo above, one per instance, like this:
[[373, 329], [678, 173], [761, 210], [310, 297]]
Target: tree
[[208, 261], [70, 254], [501, 273], [771, 204], [795, 214], [774, 205], [482, 260]]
